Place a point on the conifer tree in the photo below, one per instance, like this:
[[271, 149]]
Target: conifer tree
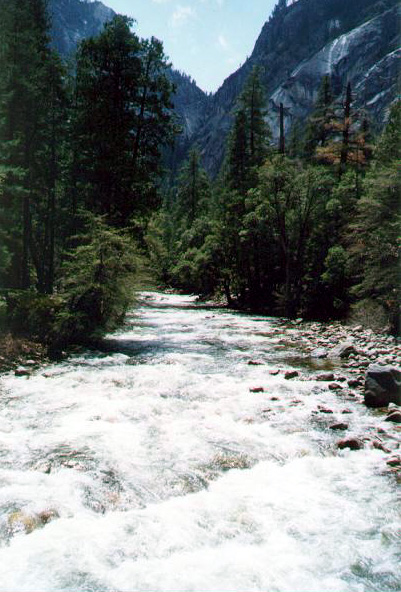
[[29, 75], [122, 119]]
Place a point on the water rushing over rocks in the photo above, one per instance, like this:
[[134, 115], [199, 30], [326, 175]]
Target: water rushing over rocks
[[186, 460]]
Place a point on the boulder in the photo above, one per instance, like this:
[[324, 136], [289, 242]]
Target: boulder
[[382, 386], [325, 377], [351, 443], [257, 389], [394, 416], [291, 374], [343, 350], [339, 426], [394, 461], [334, 386], [21, 371], [319, 352]]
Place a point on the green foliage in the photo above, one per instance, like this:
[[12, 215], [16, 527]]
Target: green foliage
[[30, 142], [122, 119], [97, 285], [70, 149]]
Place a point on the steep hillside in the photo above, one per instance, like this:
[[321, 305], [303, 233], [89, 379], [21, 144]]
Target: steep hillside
[[352, 41], [74, 20]]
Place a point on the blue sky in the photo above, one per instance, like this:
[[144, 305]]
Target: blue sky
[[207, 39]]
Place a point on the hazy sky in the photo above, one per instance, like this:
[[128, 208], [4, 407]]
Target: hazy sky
[[207, 39]]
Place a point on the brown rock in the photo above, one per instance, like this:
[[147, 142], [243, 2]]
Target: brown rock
[[334, 386], [380, 446], [47, 516], [324, 409], [274, 372], [291, 374], [255, 363], [257, 389], [394, 461], [21, 371], [327, 376], [351, 443], [339, 426], [394, 416]]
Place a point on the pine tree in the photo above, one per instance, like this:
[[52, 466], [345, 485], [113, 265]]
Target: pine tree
[[193, 190], [320, 126], [27, 131], [122, 119]]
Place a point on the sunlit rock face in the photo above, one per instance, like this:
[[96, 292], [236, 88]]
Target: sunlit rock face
[[364, 56], [74, 20], [354, 42]]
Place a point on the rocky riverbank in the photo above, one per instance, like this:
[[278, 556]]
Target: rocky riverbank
[[344, 359], [20, 354]]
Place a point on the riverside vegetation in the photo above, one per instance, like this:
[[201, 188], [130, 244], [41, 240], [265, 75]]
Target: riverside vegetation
[[309, 227]]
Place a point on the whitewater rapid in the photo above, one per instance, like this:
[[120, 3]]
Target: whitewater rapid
[[161, 471]]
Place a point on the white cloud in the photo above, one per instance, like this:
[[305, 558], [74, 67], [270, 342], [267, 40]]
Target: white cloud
[[222, 42], [181, 15]]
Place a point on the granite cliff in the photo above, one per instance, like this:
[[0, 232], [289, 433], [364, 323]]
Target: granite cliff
[[355, 42]]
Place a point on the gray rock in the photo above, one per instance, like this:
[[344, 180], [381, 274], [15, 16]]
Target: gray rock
[[319, 352], [21, 371], [343, 350], [382, 386]]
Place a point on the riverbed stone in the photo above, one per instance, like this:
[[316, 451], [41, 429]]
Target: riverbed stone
[[394, 461], [343, 350], [291, 374], [394, 416], [22, 371], [339, 426], [382, 386], [257, 389], [319, 353], [351, 443], [325, 377]]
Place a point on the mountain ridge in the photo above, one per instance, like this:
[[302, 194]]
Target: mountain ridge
[[297, 45]]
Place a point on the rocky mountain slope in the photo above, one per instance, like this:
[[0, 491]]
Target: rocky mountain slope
[[355, 42], [74, 20]]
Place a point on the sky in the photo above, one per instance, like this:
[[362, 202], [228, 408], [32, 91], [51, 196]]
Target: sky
[[207, 39]]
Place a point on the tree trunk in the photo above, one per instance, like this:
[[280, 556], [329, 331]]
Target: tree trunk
[[282, 137]]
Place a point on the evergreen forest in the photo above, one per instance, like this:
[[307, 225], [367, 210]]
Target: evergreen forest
[[306, 226]]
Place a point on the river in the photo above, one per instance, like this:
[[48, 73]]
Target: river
[[155, 468]]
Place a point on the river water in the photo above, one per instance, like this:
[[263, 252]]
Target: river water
[[157, 469]]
